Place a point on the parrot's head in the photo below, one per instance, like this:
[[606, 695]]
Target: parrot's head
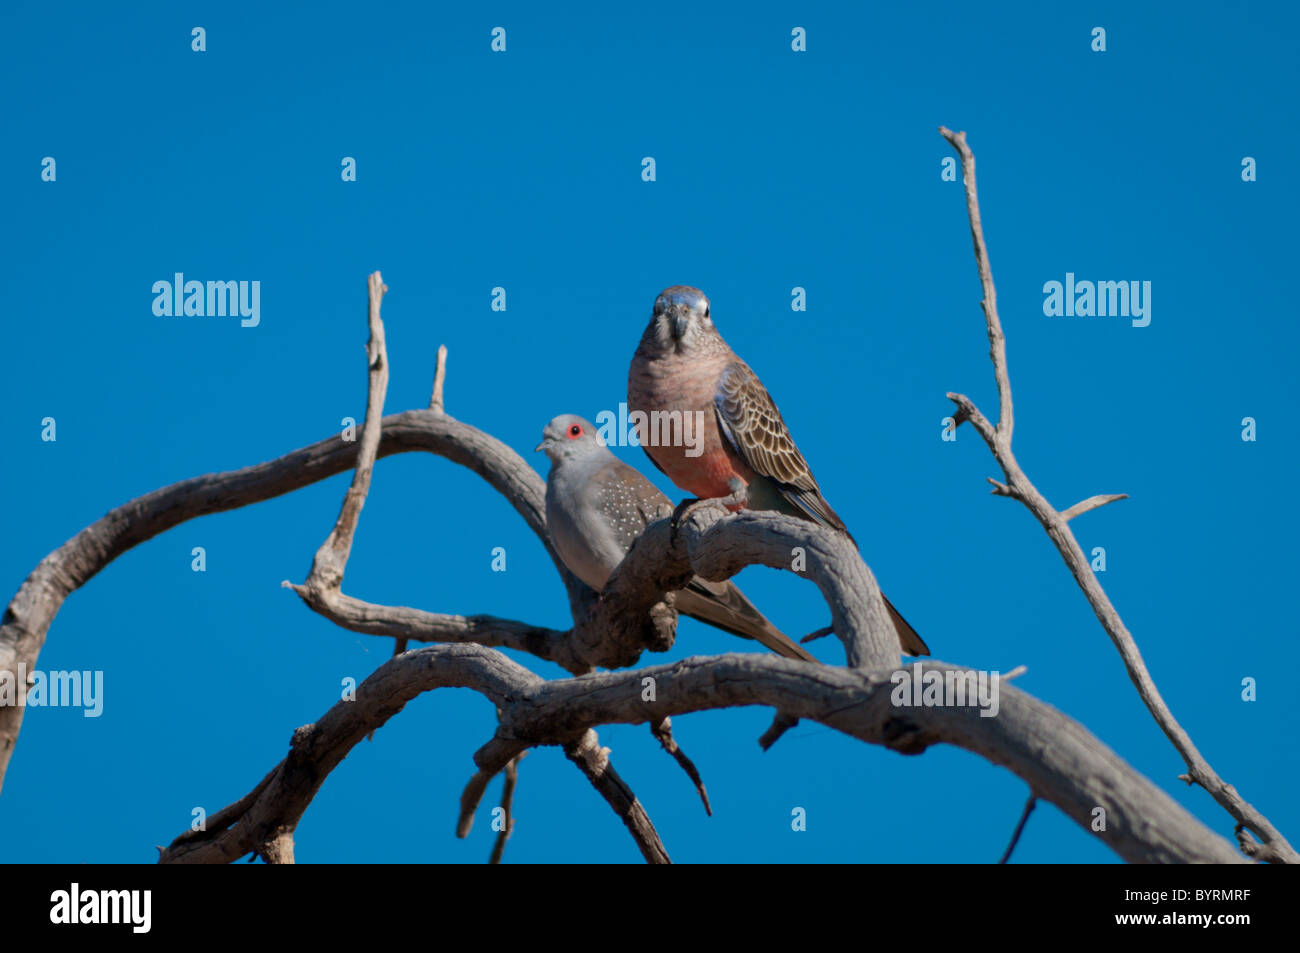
[[567, 437], [681, 321]]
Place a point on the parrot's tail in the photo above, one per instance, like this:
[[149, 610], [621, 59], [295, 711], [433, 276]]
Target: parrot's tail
[[722, 605], [912, 643]]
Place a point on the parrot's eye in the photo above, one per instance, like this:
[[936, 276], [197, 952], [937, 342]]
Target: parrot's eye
[[706, 310], [575, 431]]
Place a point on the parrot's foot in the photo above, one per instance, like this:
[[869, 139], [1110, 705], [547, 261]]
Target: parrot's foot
[[680, 513], [735, 501], [739, 497]]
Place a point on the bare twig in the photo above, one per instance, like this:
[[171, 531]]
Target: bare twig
[[440, 372], [227, 816], [507, 808], [781, 723], [663, 732], [997, 342], [416, 625], [818, 634], [1264, 853], [1091, 503], [1015, 838], [593, 761], [331, 560], [1056, 525], [1000, 489], [491, 760]]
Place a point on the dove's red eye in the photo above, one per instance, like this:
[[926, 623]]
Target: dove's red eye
[[575, 431]]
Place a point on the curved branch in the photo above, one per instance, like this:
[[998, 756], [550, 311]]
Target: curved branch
[[719, 546], [271, 812], [1056, 756], [28, 617], [317, 749], [417, 625]]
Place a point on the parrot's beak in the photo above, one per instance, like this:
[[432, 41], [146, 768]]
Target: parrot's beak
[[680, 323]]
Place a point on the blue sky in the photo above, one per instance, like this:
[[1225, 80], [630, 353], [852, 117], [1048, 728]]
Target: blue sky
[[522, 170]]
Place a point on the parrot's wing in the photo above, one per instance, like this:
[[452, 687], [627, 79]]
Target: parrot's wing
[[751, 423]]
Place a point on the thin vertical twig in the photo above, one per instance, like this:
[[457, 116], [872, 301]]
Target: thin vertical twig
[[439, 375], [1018, 486], [1024, 816], [507, 808]]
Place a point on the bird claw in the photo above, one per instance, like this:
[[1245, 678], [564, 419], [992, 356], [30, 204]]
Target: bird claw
[[739, 495], [737, 500], [681, 511]]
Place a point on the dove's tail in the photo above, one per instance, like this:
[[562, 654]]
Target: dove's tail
[[722, 605]]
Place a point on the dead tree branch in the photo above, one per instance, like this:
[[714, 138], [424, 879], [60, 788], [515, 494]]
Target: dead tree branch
[[33, 608], [1055, 523], [439, 376], [1020, 828], [663, 732], [1091, 503], [507, 808], [1056, 756], [593, 761]]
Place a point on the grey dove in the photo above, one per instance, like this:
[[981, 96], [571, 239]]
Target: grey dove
[[596, 506], [730, 442]]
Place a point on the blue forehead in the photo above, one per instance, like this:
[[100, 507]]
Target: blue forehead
[[686, 297]]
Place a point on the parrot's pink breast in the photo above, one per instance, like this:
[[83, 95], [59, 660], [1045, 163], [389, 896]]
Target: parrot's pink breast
[[706, 476], [675, 385]]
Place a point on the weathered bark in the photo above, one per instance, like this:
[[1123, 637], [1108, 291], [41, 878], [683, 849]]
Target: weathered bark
[[1056, 756]]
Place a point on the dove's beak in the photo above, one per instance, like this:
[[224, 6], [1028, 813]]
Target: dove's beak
[[541, 446]]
